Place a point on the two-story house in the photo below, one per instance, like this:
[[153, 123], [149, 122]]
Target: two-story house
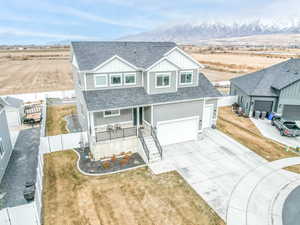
[[150, 90]]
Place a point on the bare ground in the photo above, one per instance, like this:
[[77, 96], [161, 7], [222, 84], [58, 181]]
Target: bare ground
[[245, 132], [136, 197]]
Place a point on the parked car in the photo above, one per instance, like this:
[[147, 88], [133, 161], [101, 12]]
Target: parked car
[[286, 127]]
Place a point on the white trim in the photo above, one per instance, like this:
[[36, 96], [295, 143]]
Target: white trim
[[185, 54], [178, 120], [92, 125], [176, 80], [112, 115], [100, 75], [148, 82], [152, 116], [186, 71], [84, 79], [115, 75], [159, 61], [142, 78], [112, 58], [127, 75], [163, 74], [146, 122]]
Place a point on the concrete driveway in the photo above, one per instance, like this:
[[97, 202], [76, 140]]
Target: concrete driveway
[[212, 166], [267, 130]]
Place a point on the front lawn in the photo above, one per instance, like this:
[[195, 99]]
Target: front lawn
[[135, 197], [56, 123], [244, 131]]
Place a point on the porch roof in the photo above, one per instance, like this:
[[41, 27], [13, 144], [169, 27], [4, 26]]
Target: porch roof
[[99, 100]]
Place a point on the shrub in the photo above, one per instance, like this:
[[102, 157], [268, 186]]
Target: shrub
[[113, 158], [106, 164], [123, 162]]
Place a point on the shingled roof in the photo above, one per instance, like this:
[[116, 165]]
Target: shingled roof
[[90, 54], [98, 100], [265, 82]]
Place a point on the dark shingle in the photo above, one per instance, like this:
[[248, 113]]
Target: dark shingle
[[129, 97], [263, 82], [90, 54]]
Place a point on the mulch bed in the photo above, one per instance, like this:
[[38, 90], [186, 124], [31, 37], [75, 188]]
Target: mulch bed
[[119, 163]]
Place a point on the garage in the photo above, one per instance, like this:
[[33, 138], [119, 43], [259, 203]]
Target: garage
[[291, 112], [263, 106], [176, 131]]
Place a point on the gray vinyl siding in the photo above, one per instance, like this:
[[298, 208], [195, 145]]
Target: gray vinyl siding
[[125, 115], [290, 95], [145, 80], [147, 114], [152, 81], [244, 100], [4, 135], [91, 83], [194, 81], [177, 111]]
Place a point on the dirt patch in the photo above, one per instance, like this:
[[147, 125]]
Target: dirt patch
[[56, 123], [136, 197], [245, 132]]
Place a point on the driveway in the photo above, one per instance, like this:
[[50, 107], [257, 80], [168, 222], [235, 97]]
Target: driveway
[[212, 166], [291, 210], [21, 168], [267, 130]]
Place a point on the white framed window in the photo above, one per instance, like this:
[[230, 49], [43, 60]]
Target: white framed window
[[111, 113], [1, 148], [130, 78], [100, 80], [116, 79], [186, 77], [162, 80]]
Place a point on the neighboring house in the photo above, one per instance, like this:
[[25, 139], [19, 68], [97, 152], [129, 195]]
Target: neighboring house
[[274, 89], [14, 108], [5, 142], [155, 86]]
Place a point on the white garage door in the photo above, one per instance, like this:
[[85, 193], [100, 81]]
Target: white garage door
[[13, 119], [170, 132]]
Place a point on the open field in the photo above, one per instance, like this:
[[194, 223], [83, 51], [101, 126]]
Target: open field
[[136, 197], [245, 132], [34, 71], [56, 123]]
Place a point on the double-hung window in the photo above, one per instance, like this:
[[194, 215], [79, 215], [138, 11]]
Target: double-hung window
[[116, 79], [130, 79], [111, 113], [186, 77], [162, 80], [100, 80], [1, 148]]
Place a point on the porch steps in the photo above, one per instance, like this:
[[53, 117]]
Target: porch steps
[[154, 155]]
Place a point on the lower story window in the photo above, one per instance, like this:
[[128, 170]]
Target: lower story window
[[111, 113]]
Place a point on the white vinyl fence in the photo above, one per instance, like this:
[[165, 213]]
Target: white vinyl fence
[[227, 101], [31, 97]]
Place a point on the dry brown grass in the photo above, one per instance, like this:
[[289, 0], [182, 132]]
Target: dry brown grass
[[135, 197], [245, 132], [56, 124]]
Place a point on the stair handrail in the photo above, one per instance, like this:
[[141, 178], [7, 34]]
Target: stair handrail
[[145, 148], [156, 141]]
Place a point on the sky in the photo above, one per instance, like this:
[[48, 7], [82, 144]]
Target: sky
[[51, 21]]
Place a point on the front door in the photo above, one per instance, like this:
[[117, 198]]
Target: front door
[[138, 116]]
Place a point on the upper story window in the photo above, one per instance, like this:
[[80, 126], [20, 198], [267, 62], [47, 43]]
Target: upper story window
[[101, 80], [162, 80], [111, 113], [116, 79], [130, 79], [186, 77], [1, 148]]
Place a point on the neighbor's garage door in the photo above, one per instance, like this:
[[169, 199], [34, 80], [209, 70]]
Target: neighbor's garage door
[[13, 119], [170, 132], [263, 106], [291, 112]]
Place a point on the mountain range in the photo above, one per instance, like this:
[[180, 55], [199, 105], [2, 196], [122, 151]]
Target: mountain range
[[206, 33]]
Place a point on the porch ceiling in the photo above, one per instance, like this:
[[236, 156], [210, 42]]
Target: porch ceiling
[[99, 100]]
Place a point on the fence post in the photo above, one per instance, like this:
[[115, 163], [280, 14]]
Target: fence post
[[61, 141]]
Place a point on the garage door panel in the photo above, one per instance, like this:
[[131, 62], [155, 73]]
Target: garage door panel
[[263, 106], [291, 112], [171, 132]]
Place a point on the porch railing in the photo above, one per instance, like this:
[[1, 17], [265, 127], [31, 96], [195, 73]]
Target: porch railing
[[158, 146], [116, 133], [146, 150]]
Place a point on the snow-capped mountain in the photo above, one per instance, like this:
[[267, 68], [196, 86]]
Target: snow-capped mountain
[[187, 33]]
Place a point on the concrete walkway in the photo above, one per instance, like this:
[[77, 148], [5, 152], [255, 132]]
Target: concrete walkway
[[252, 199], [267, 130], [212, 166]]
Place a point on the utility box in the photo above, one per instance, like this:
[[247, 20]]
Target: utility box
[[263, 115]]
